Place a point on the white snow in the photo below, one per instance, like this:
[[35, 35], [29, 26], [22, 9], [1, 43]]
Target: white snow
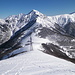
[[18, 21], [73, 40], [62, 20], [36, 63], [2, 21]]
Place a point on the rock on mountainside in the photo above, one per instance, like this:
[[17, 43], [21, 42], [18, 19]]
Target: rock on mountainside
[[52, 34], [5, 32]]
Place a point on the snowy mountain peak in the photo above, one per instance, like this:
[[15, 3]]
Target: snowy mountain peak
[[73, 12], [35, 12], [15, 16], [2, 21]]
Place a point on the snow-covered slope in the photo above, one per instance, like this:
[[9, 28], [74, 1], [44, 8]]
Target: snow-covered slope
[[62, 20], [36, 63]]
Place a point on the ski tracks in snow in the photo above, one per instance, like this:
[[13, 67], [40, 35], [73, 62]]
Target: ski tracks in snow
[[36, 63], [18, 67]]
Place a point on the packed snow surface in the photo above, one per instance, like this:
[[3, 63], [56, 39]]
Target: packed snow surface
[[36, 63]]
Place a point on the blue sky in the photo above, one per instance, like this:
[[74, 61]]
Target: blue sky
[[47, 7]]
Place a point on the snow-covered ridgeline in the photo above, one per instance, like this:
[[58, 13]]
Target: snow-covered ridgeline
[[62, 19], [18, 21]]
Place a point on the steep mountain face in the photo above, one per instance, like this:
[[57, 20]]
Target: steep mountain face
[[52, 34], [5, 32]]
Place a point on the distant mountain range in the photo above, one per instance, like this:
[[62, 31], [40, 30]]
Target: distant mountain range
[[54, 35]]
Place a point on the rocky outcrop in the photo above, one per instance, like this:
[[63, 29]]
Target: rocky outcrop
[[5, 32], [56, 51], [70, 28]]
